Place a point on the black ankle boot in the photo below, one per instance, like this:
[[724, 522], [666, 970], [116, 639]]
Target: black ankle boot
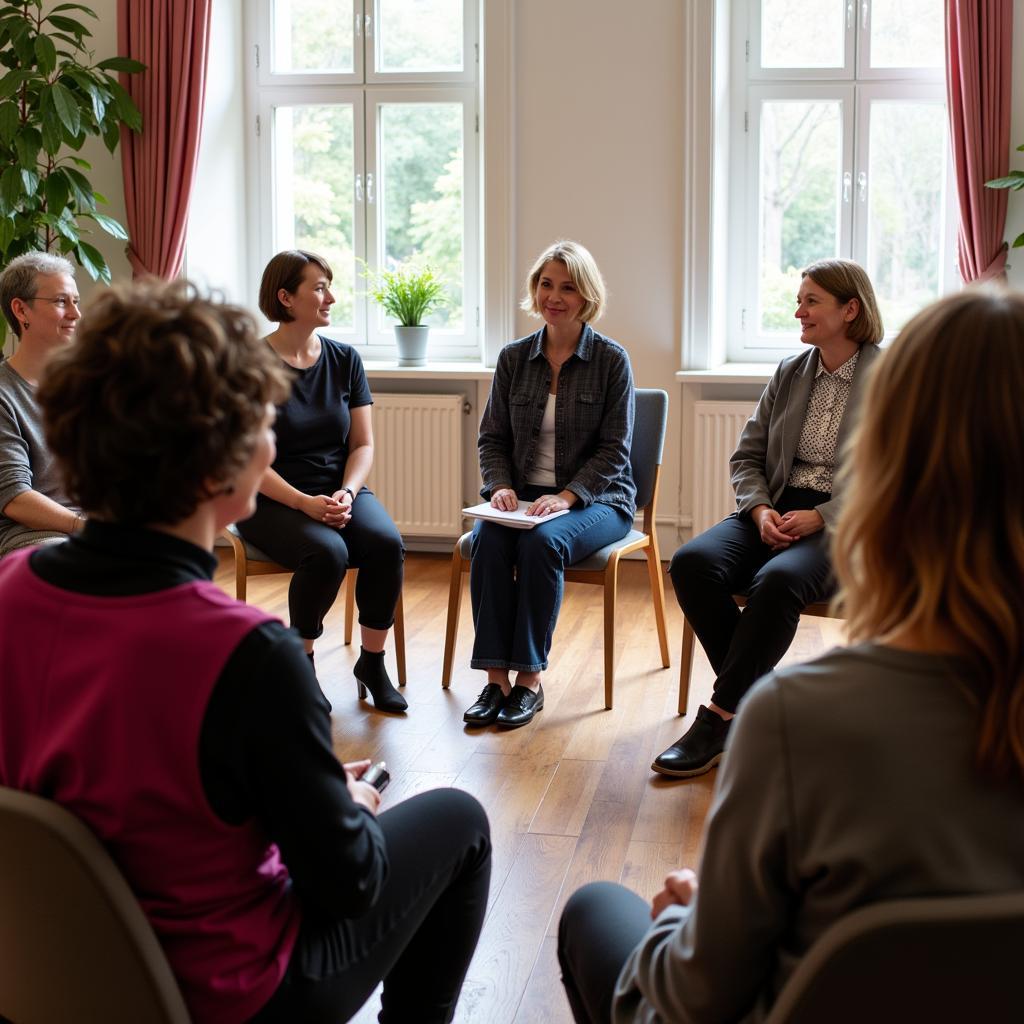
[[371, 675]]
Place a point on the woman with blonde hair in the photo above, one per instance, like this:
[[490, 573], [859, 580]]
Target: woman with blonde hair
[[890, 769]]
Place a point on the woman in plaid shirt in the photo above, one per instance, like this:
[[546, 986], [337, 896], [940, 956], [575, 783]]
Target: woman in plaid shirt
[[555, 435]]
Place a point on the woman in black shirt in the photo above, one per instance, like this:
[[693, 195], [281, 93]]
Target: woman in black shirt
[[313, 514]]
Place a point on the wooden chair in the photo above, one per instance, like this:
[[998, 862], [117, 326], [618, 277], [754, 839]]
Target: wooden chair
[[941, 959], [75, 943], [250, 561], [602, 567], [822, 609]]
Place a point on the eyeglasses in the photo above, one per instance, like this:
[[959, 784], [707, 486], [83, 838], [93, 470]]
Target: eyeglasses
[[60, 301]]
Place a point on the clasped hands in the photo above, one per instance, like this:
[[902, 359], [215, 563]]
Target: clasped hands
[[334, 510], [778, 531], [504, 498], [680, 887]]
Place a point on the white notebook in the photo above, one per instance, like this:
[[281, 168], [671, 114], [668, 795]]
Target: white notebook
[[518, 520]]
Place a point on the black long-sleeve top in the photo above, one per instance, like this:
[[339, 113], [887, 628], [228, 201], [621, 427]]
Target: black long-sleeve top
[[265, 743]]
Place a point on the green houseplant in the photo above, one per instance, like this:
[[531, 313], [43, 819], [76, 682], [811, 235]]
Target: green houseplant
[[53, 96], [1014, 180], [409, 294]]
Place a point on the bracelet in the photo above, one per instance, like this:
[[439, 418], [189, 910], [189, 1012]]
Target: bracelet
[[351, 493]]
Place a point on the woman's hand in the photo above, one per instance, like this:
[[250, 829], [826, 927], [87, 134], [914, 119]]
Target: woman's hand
[[771, 527], [342, 515], [680, 887], [505, 499], [802, 523], [361, 792], [318, 506], [548, 503]]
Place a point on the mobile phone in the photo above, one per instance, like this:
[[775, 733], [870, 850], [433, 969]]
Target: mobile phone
[[378, 776]]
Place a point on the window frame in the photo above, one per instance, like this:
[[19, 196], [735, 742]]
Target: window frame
[[267, 90]]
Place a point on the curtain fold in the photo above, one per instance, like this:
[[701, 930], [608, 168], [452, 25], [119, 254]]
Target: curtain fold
[[171, 37], [978, 82]]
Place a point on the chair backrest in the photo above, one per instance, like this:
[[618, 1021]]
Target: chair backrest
[[941, 959], [649, 425], [74, 943]]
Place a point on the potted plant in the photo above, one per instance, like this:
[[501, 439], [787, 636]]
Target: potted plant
[[409, 294], [1014, 180]]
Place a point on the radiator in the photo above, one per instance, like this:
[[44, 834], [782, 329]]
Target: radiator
[[717, 427], [417, 463]]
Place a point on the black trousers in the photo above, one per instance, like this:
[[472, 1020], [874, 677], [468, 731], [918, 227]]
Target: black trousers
[[731, 558], [601, 925], [319, 556], [419, 936]]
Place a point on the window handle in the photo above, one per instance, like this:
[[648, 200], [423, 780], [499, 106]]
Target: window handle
[[849, 14], [369, 188], [864, 14], [359, 26], [359, 188], [367, 25], [862, 186], [847, 185]]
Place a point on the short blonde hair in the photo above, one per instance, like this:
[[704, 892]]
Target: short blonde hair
[[847, 280], [582, 271], [931, 534]]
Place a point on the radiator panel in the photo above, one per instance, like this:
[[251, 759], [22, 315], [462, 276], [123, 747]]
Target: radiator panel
[[717, 427], [417, 464]]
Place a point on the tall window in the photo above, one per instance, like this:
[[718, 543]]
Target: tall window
[[839, 149], [366, 113]]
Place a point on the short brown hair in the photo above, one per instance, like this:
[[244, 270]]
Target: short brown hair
[[930, 535], [285, 271], [583, 273], [163, 392], [847, 280], [20, 280]]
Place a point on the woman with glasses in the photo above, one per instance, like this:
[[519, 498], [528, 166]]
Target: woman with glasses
[[40, 303]]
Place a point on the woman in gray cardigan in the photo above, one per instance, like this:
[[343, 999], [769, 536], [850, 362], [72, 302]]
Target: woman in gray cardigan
[[891, 769], [773, 548]]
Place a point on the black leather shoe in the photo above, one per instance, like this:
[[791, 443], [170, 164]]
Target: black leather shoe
[[520, 707], [487, 706], [698, 750]]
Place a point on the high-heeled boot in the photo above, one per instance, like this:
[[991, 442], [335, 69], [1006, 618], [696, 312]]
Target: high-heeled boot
[[371, 675]]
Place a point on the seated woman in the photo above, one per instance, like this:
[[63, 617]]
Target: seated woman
[[39, 299], [556, 434], [890, 769], [773, 548], [188, 730], [314, 515]]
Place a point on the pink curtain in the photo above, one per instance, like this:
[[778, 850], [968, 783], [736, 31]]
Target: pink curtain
[[171, 37], [978, 38]]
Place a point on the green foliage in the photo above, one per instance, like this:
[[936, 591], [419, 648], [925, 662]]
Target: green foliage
[[407, 293], [1014, 180], [53, 96]]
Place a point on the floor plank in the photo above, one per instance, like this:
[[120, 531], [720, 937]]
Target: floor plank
[[571, 797]]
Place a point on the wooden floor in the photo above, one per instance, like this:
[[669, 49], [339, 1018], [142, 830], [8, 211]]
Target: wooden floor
[[570, 797]]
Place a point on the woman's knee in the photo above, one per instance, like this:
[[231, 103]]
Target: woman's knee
[[694, 564], [455, 813], [325, 555]]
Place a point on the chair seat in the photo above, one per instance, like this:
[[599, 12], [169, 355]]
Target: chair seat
[[252, 552]]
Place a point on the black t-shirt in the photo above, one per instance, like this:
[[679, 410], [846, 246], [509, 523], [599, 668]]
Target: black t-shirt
[[312, 426]]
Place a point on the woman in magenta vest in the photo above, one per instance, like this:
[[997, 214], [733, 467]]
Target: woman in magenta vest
[[187, 730]]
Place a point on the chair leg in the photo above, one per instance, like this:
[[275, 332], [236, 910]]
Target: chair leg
[[400, 640], [350, 603], [452, 624], [658, 597], [685, 664], [611, 587]]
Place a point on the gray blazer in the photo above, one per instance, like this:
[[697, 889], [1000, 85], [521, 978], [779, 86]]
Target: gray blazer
[[764, 455]]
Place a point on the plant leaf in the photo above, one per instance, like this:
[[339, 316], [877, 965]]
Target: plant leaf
[[1018, 242], [92, 259], [10, 187], [111, 134], [55, 188], [30, 180], [81, 189], [66, 107], [6, 232], [111, 226], [125, 64], [1014, 180], [76, 28], [46, 54], [11, 83], [27, 143], [9, 120], [53, 137], [126, 109], [75, 7]]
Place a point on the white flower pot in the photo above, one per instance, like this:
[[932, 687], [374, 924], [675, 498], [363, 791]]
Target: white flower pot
[[412, 345]]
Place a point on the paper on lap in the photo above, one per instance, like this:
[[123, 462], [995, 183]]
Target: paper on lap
[[518, 519]]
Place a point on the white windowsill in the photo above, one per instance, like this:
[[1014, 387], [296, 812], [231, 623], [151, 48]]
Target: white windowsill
[[384, 369], [729, 373]]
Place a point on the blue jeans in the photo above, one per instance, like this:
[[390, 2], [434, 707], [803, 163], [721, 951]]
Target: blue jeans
[[516, 579]]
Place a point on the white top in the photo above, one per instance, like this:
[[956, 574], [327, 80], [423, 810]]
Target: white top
[[542, 473]]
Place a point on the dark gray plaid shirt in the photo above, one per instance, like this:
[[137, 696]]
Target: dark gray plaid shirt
[[593, 420]]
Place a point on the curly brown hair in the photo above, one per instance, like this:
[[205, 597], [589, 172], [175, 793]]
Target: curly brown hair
[[161, 397]]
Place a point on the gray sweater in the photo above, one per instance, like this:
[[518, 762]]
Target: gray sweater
[[25, 462], [846, 781]]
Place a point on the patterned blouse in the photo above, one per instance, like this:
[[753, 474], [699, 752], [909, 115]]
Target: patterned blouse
[[816, 451]]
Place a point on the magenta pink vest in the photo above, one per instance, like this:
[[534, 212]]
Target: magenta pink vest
[[101, 704]]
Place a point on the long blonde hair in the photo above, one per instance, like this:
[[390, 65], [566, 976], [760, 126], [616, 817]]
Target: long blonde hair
[[932, 533]]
